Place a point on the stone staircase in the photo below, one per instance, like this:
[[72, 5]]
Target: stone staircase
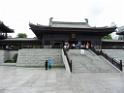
[[37, 57], [89, 62]]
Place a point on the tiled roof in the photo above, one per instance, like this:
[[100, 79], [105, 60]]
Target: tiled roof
[[5, 29], [69, 24], [20, 39], [106, 40], [120, 30]]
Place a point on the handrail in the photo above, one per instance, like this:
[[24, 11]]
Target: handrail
[[96, 52], [65, 62], [68, 60]]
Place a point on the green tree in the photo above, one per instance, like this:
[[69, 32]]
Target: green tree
[[22, 35], [107, 37]]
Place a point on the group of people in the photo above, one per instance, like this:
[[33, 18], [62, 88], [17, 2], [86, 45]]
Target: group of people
[[79, 45]]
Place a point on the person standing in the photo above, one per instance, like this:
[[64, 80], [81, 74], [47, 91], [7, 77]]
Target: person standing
[[73, 46], [50, 62], [66, 46]]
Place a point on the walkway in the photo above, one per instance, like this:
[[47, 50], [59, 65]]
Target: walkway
[[37, 80]]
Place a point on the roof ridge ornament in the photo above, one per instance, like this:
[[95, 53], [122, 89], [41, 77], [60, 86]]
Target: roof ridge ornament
[[50, 21], [86, 20]]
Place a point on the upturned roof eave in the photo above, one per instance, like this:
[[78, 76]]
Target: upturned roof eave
[[42, 27], [5, 29]]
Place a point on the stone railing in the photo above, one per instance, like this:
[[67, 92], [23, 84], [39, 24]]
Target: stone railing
[[67, 61]]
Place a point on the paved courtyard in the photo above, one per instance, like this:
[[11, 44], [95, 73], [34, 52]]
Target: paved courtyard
[[38, 80]]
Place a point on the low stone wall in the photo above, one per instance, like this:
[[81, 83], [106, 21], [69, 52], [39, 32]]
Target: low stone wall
[[2, 57], [37, 57], [9, 54]]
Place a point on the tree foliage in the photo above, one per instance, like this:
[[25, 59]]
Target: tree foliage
[[22, 35], [107, 37]]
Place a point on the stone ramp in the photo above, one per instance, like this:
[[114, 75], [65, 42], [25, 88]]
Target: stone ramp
[[37, 57], [89, 62]]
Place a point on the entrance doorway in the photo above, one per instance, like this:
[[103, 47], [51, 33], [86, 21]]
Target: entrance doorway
[[58, 44]]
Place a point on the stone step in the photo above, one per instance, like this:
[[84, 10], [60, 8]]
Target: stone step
[[38, 57]]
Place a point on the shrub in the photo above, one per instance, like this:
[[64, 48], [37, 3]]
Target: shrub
[[15, 58], [9, 61]]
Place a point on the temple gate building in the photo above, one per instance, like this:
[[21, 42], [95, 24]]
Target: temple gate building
[[59, 32]]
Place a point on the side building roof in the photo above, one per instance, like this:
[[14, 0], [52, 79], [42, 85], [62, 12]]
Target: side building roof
[[120, 30], [5, 29]]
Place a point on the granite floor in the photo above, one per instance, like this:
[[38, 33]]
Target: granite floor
[[38, 80]]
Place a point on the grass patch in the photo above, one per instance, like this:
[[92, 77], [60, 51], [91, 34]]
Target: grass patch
[[58, 66], [10, 61], [55, 66]]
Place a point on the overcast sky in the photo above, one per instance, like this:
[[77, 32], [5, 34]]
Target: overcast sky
[[18, 13]]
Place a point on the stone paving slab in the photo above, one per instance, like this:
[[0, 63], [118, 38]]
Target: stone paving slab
[[38, 80]]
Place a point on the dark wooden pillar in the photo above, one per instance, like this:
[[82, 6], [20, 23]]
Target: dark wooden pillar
[[5, 35]]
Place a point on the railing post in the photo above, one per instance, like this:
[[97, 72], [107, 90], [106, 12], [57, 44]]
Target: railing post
[[121, 68], [64, 51], [71, 65], [46, 65], [112, 60]]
